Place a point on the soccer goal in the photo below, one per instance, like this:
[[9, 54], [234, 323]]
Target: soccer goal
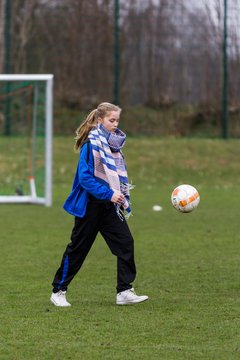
[[26, 103]]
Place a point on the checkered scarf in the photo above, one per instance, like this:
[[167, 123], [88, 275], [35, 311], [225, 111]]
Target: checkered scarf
[[109, 165]]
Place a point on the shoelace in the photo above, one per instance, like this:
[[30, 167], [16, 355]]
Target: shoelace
[[131, 291]]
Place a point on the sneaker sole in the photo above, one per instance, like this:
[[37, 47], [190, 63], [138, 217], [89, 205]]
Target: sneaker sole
[[54, 303], [131, 302]]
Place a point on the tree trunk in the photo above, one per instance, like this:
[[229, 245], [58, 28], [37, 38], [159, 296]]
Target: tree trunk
[[2, 42]]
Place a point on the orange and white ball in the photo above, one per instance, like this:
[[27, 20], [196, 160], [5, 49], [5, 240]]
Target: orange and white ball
[[185, 198]]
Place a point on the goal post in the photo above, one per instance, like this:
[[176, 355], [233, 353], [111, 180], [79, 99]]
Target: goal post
[[26, 111]]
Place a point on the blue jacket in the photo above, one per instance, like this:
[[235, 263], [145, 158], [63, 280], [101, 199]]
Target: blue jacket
[[85, 183]]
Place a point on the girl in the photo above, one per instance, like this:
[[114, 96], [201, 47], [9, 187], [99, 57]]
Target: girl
[[100, 202]]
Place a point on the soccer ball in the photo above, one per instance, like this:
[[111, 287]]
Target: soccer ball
[[185, 198]]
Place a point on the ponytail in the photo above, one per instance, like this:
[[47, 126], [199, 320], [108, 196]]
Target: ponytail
[[83, 130]]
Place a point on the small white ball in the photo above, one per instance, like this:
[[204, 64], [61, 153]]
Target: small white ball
[[157, 208]]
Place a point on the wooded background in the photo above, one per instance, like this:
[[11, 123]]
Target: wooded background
[[170, 52]]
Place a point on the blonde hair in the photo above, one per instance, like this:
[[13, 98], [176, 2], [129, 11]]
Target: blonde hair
[[91, 121]]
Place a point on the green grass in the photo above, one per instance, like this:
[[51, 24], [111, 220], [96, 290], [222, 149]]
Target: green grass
[[188, 264], [15, 164]]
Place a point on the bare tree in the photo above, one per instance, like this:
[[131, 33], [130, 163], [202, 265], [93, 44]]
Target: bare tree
[[22, 29], [234, 54], [170, 51], [2, 42]]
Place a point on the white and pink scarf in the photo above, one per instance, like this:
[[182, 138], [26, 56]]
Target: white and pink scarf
[[109, 164]]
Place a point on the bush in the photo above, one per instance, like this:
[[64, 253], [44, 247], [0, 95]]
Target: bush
[[176, 120]]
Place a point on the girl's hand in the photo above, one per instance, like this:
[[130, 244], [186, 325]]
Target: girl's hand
[[117, 197]]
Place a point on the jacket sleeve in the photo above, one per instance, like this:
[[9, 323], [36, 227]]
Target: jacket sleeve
[[86, 176]]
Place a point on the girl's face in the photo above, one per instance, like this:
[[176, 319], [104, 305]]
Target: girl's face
[[110, 121]]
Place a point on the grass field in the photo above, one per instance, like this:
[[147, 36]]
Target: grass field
[[188, 264]]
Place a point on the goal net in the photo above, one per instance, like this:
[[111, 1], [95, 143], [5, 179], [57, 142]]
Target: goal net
[[26, 104]]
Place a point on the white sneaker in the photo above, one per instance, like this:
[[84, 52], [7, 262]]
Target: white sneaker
[[59, 299], [129, 297]]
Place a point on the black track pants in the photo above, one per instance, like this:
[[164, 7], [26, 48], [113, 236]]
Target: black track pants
[[99, 217]]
